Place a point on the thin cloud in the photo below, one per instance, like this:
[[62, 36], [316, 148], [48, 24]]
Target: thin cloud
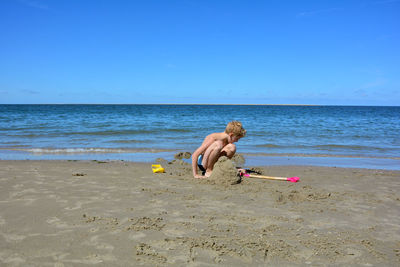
[[31, 92], [366, 89], [316, 12], [361, 92], [329, 10], [34, 4], [170, 66], [386, 2], [374, 84]]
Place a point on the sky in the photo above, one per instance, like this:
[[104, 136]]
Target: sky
[[343, 52]]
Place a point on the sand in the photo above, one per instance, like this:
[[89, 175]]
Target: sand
[[79, 213], [224, 173]]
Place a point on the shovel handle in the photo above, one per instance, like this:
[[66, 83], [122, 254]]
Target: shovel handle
[[267, 177]]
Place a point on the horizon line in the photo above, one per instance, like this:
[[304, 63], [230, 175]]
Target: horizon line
[[198, 104]]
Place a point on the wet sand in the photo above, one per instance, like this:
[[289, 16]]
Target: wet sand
[[78, 213]]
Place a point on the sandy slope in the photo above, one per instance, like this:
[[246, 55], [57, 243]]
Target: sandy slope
[[64, 213]]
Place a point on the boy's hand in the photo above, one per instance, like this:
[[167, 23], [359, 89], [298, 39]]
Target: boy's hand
[[241, 171], [199, 176]]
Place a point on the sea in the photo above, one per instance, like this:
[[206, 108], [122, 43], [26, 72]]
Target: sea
[[336, 136]]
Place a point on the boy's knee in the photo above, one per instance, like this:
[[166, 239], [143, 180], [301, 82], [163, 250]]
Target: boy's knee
[[229, 150]]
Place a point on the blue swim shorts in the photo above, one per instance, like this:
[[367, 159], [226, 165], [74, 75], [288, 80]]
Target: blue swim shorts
[[200, 165]]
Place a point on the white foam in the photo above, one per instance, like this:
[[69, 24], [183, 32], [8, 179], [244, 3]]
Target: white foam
[[88, 150]]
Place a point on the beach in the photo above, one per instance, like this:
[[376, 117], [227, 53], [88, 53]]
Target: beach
[[117, 213]]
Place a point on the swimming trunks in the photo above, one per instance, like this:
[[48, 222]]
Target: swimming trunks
[[200, 165]]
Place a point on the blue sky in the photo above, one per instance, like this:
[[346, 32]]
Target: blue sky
[[210, 51]]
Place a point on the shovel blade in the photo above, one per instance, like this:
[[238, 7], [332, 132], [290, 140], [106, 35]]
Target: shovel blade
[[293, 179]]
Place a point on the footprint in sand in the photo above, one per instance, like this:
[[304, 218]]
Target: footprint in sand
[[13, 259], [57, 222], [11, 238], [2, 221], [137, 236], [78, 205]]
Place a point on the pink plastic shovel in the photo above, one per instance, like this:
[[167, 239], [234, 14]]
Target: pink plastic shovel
[[290, 179]]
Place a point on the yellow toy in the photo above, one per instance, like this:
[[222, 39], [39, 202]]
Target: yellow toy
[[157, 168]]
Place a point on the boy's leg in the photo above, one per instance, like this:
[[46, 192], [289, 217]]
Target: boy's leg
[[211, 156], [229, 150], [213, 153]]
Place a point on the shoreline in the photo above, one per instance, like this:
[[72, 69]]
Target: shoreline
[[252, 159], [119, 213], [316, 155], [121, 150]]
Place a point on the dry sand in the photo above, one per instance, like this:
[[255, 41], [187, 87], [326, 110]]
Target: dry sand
[[67, 213]]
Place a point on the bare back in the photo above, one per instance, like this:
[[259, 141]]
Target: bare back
[[211, 138]]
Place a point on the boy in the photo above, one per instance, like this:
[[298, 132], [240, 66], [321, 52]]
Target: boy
[[214, 146]]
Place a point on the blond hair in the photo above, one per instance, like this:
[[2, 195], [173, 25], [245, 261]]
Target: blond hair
[[236, 128]]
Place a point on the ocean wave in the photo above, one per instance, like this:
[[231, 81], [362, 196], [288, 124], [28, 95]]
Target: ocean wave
[[178, 130], [23, 135], [87, 150], [317, 155], [110, 132], [348, 147], [47, 134], [39, 134], [269, 145], [129, 141], [327, 147]]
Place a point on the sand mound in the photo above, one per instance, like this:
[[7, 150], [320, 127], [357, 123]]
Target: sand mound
[[183, 155], [178, 167], [224, 172], [161, 160], [239, 160]]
